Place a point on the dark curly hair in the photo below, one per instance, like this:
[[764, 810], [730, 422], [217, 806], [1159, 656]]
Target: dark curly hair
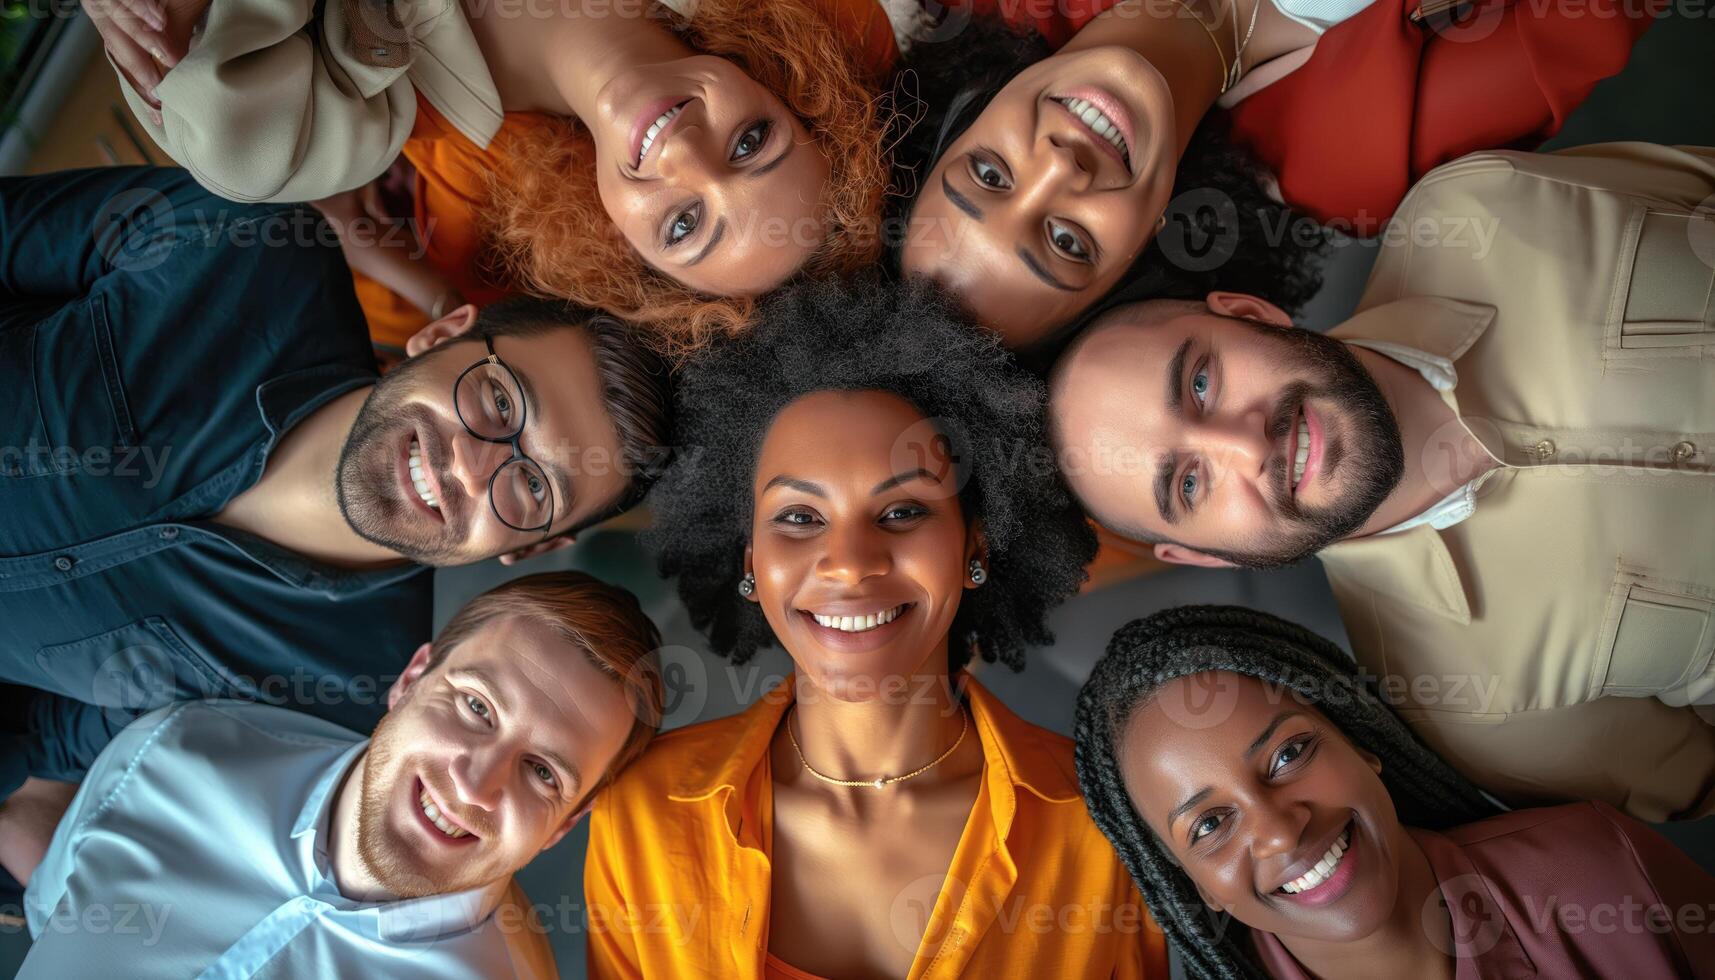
[[870, 336], [1143, 656], [1225, 227]]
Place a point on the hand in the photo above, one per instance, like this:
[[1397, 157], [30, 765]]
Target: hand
[[145, 38]]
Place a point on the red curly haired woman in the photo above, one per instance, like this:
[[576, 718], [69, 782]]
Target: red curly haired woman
[[664, 163]]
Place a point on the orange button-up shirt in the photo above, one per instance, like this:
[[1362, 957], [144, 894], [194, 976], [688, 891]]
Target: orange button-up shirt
[[677, 877]]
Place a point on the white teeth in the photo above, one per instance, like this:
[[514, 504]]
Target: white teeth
[[415, 464], [1303, 452], [1099, 122], [1325, 867], [654, 129], [859, 624], [441, 823]]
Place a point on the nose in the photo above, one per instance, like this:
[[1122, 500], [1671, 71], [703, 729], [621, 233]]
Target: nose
[[479, 777], [1239, 443], [854, 554], [473, 462], [689, 157], [1055, 170], [1277, 826]]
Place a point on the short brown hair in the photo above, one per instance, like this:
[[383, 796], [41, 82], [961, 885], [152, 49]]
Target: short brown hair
[[604, 621]]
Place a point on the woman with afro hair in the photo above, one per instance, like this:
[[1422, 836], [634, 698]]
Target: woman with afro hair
[[1283, 822], [859, 481]]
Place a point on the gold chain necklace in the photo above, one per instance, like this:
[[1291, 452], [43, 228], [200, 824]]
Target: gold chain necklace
[[1230, 73], [878, 782]]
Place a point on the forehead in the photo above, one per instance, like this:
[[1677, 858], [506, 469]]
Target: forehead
[[848, 432], [542, 676], [1192, 728]]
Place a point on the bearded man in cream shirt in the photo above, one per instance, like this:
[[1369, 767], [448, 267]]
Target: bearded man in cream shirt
[[1503, 459]]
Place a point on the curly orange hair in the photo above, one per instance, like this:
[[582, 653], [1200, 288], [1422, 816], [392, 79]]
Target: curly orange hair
[[550, 234]]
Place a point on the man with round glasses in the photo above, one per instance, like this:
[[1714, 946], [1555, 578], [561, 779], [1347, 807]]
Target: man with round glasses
[[207, 491]]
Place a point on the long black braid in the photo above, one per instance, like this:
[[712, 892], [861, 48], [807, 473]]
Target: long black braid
[[1147, 653]]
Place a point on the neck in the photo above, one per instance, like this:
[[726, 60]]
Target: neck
[[350, 874], [559, 64], [296, 504], [906, 726], [1403, 946], [1441, 455]]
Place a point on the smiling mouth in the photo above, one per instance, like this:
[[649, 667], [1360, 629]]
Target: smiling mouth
[[859, 624], [1303, 455], [1097, 122], [1324, 869], [419, 478], [655, 129], [434, 815]]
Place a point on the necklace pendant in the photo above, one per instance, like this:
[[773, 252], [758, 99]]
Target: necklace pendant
[[879, 783]]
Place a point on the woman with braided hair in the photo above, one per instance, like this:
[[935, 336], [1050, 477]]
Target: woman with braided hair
[[858, 487], [1281, 821]]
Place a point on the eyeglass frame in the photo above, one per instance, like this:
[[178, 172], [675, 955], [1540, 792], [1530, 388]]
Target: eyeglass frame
[[513, 440]]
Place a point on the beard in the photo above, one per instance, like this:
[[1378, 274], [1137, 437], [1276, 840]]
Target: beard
[[1366, 453], [396, 866], [367, 484]]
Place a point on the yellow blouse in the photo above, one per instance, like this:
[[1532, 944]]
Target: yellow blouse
[[677, 875]]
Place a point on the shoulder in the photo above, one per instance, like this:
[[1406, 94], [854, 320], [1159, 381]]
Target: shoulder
[[1568, 845]]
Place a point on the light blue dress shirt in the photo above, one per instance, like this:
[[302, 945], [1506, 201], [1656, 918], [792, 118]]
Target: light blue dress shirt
[[198, 847]]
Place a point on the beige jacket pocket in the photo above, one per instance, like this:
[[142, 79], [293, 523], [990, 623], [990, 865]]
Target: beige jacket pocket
[[1657, 640], [1667, 279]]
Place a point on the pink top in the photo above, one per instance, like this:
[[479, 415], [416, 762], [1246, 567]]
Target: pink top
[[1560, 892]]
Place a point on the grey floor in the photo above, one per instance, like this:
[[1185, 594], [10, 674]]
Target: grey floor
[[1663, 96]]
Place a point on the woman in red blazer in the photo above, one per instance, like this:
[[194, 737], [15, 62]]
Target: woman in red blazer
[[1029, 209]]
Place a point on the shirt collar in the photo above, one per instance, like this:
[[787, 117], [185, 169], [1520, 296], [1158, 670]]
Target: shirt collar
[[425, 919], [1012, 756], [1433, 325], [1485, 944]]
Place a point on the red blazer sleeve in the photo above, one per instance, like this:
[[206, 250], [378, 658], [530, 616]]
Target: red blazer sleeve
[[1382, 101]]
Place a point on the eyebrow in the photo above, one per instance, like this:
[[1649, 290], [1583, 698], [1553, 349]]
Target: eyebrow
[[959, 200], [779, 158], [1176, 379], [793, 483], [714, 239], [1041, 272], [898, 478], [562, 482], [1285, 713], [1164, 488], [1190, 802]]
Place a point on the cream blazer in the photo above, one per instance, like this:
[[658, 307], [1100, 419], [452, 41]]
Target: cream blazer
[[1557, 643]]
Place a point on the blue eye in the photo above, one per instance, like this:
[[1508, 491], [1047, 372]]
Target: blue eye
[[1188, 487], [1200, 386], [1204, 827]]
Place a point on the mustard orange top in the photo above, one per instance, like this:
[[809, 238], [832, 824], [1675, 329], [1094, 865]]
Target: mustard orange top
[[677, 875], [449, 189]]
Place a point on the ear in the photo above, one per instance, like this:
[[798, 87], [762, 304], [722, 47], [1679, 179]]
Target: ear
[[1371, 759], [750, 570], [454, 324], [1248, 307], [1178, 554], [977, 549], [539, 548], [409, 676]]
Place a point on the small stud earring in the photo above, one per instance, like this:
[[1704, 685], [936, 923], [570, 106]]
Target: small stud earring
[[978, 574], [747, 585]]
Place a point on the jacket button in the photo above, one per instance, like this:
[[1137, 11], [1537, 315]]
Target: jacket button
[[64, 563], [1684, 451], [169, 533], [1543, 449]]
